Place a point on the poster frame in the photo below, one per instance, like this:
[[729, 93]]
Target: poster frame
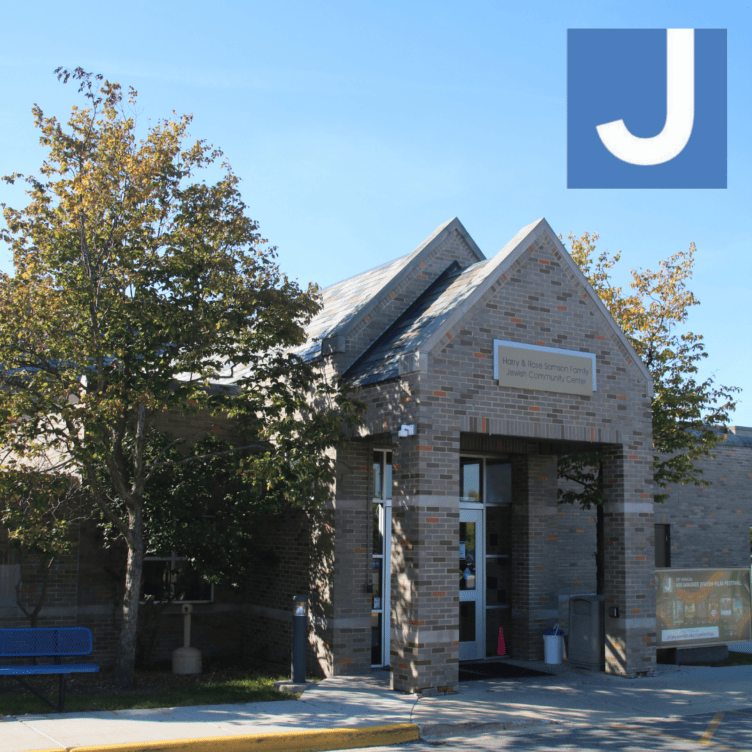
[[678, 570]]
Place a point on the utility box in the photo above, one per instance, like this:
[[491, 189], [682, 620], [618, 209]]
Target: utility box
[[586, 632]]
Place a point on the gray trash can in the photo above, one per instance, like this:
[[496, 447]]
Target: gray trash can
[[586, 633]]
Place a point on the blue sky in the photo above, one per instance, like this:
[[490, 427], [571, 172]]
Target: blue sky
[[357, 128]]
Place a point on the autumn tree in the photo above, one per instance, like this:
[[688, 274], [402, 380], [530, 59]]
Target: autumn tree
[[654, 314], [142, 290]]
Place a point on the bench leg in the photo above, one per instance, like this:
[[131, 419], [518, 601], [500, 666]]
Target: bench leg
[[61, 694], [33, 691]]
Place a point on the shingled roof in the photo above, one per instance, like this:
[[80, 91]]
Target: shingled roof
[[424, 317], [346, 302], [414, 332]]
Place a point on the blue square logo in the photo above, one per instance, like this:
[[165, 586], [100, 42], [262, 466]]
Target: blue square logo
[[646, 108]]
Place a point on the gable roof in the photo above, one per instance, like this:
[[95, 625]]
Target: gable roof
[[427, 314], [405, 345], [345, 303]]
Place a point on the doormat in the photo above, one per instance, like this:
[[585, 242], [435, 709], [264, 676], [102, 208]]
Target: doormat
[[496, 670]]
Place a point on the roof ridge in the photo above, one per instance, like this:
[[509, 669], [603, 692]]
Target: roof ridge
[[383, 265], [344, 307], [453, 271]]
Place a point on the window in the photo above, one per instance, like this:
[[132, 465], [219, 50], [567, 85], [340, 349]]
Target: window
[[471, 486], [485, 479], [498, 482], [381, 552], [173, 578], [662, 546]]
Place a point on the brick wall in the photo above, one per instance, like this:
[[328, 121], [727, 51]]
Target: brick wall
[[535, 568], [710, 523]]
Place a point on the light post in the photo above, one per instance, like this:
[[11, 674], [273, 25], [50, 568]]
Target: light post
[[299, 637]]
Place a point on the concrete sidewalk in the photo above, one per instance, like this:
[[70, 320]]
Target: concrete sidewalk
[[348, 712]]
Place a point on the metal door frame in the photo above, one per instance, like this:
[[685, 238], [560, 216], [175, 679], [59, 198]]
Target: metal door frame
[[469, 651]]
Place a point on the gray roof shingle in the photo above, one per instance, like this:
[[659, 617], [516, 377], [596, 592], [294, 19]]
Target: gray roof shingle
[[418, 323], [346, 302]]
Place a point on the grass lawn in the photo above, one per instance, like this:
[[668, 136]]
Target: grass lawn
[[220, 682]]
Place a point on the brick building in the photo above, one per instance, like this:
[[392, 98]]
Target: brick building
[[443, 526]]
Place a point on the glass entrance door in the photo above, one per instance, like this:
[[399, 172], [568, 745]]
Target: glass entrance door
[[472, 578]]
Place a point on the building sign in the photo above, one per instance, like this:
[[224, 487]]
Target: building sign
[[548, 369], [702, 606]]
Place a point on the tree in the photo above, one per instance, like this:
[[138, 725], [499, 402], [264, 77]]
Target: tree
[[141, 291], [37, 510], [653, 315], [202, 508]]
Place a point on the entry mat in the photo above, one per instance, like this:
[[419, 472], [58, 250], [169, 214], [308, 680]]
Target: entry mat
[[496, 670]]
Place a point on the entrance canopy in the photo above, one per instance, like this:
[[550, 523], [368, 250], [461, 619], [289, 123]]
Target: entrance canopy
[[512, 357]]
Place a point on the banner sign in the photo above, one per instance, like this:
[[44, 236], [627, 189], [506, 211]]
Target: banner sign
[[702, 606], [548, 369]]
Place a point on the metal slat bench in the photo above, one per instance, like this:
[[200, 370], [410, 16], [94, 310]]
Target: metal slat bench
[[46, 643]]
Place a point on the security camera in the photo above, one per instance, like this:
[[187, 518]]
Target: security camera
[[406, 430]]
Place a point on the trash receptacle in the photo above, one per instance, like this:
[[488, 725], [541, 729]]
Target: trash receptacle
[[586, 632], [553, 645]]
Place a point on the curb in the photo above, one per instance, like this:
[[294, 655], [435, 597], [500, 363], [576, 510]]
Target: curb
[[310, 740]]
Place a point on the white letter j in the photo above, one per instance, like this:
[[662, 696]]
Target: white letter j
[[680, 109]]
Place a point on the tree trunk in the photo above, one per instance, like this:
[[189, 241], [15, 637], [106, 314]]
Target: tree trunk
[[124, 668]]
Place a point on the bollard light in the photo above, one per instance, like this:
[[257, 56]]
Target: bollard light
[[299, 637], [301, 605]]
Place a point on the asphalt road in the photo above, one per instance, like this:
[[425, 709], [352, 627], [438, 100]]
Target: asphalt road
[[723, 732]]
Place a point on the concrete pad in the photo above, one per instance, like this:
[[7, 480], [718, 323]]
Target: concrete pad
[[593, 700], [16, 736], [290, 686], [107, 730], [333, 709], [366, 698]]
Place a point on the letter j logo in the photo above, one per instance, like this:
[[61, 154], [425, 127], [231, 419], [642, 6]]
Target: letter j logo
[[646, 108]]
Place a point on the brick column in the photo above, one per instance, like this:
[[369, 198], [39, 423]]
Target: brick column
[[534, 565], [629, 560], [349, 625], [425, 588]]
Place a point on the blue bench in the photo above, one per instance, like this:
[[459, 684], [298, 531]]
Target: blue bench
[[46, 643]]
